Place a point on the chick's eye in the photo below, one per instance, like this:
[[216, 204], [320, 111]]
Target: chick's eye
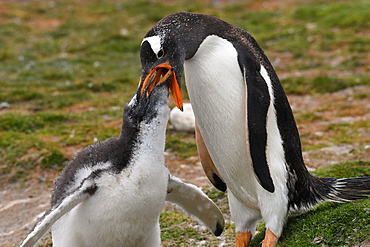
[[160, 53]]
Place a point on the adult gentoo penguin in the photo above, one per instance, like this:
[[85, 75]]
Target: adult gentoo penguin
[[247, 137], [112, 192]]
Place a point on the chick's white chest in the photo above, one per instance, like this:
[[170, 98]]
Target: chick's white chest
[[123, 210]]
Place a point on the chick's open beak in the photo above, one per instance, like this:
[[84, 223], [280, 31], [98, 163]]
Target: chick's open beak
[[158, 75]]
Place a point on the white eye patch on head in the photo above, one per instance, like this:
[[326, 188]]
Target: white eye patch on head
[[155, 43]]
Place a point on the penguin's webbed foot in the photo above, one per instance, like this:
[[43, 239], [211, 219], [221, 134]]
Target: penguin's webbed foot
[[270, 239], [243, 239]]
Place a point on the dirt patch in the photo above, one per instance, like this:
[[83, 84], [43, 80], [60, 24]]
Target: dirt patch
[[20, 209], [80, 107], [70, 151], [45, 25]]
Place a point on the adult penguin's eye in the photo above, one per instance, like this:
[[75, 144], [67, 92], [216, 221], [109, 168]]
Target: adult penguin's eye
[[160, 53]]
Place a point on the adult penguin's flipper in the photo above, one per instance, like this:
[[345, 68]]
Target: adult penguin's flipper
[[257, 105], [207, 163]]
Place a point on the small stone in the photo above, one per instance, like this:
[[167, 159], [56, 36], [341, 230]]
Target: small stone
[[123, 32], [319, 133], [202, 243], [316, 240]]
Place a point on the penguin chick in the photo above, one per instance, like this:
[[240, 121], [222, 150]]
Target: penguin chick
[[112, 192]]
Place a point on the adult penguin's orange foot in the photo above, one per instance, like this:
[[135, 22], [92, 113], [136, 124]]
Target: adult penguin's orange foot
[[270, 239], [243, 239]]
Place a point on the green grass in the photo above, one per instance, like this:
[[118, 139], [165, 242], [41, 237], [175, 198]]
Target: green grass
[[328, 224], [321, 84], [307, 117], [345, 170], [345, 133], [332, 224], [181, 144], [30, 123]]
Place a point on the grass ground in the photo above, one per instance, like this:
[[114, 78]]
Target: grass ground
[[68, 67], [329, 224]]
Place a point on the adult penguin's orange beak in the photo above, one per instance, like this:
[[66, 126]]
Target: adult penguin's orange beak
[[158, 75]]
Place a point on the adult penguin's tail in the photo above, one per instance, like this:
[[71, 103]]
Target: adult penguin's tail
[[315, 190], [348, 189]]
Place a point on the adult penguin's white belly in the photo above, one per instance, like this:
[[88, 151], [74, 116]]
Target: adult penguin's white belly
[[220, 113]]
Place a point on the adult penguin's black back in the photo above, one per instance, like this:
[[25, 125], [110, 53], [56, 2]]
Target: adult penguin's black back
[[246, 130]]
